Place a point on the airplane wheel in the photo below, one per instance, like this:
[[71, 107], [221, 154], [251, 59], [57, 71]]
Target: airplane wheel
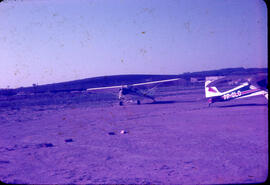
[[138, 102], [120, 103]]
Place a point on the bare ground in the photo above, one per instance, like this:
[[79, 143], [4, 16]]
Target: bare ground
[[178, 140]]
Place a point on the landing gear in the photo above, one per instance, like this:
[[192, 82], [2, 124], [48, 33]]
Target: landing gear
[[209, 102], [121, 103], [138, 102]]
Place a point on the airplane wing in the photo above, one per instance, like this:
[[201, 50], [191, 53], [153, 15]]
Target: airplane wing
[[136, 85], [226, 80], [155, 82], [101, 88], [151, 87], [256, 80]]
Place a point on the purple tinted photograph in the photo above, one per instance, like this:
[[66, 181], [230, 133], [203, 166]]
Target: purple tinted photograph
[[133, 92]]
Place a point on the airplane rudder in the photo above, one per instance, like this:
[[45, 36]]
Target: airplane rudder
[[211, 91], [207, 82]]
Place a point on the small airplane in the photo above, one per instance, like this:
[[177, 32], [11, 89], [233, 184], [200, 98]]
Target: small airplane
[[247, 87], [141, 90]]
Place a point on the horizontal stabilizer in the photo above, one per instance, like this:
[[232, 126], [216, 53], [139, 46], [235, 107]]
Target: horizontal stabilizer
[[266, 95]]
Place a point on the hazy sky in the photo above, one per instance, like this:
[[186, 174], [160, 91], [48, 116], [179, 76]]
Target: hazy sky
[[47, 41]]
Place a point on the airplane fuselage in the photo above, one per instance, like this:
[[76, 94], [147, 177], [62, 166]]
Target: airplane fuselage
[[242, 91]]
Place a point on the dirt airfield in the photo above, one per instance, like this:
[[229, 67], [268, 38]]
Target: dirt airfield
[[178, 140]]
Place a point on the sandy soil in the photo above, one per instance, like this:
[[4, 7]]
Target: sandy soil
[[177, 140]]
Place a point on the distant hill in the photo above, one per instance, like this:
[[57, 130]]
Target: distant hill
[[83, 84], [224, 72], [79, 85]]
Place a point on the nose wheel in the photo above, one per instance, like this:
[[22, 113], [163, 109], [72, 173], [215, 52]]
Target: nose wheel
[[138, 102]]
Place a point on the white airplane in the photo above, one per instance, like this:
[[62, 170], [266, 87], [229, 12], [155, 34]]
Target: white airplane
[[142, 90], [248, 86]]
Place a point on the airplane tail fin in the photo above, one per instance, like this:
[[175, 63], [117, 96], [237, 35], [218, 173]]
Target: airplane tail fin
[[211, 91]]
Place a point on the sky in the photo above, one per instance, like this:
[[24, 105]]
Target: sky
[[48, 41]]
